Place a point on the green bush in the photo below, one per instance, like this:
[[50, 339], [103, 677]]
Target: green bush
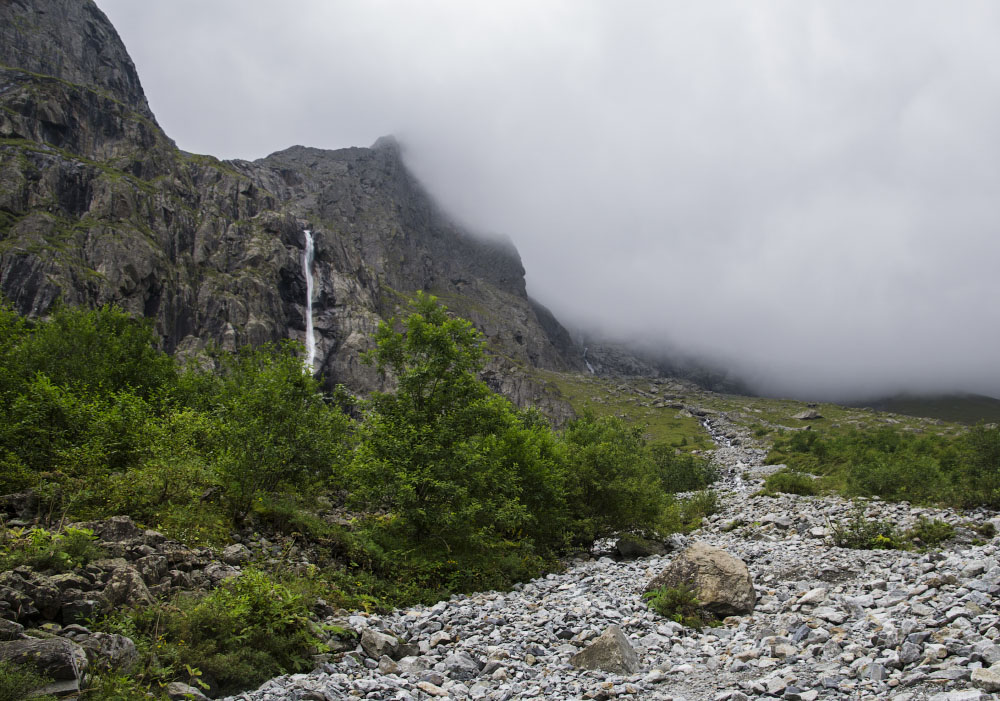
[[896, 465], [472, 486], [44, 550], [928, 532], [979, 472], [791, 482], [681, 472], [273, 427], [250, 629], [112, 686], [861, 533], [93, 352], [612, 482], [679, 604], [18, 682]]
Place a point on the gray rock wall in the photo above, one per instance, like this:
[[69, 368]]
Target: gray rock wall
[[97, 205]]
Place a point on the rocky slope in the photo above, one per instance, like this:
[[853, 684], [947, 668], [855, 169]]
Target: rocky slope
[[97, 205], [829, 623]]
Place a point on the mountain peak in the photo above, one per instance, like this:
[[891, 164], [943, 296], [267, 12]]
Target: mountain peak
[[73, 41]]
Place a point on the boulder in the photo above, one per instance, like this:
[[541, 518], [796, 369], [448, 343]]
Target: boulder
[[460, 666], [9, 630], [237, 554], [611, 652], [987, 678], [216, 572], [118, 529], [376, 644], [79, 610], [176, 691], [808, 415], [721, 582], [31, 590], [109, 651], [125, 588], [58, 658], [152, 568]]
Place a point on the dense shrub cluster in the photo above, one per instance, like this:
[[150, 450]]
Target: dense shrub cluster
[[461, 488], [892, 464], [454, 488], [246, 631]]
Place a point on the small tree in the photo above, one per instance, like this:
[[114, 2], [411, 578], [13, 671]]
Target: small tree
[[612, 482], [273, 425], [446, 456]]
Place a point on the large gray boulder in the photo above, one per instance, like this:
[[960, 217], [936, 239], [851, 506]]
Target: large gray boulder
[[109, 651], [721, 582], [611, 653], [58, 658], [376, 644], [236, 554], [126, 587]]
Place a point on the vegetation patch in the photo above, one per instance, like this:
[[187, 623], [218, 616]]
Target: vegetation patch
[[21, 683], [248, 630], [681, 605], [928, 533], [791, 482], [46, 551], [862, 533], [961, 470]]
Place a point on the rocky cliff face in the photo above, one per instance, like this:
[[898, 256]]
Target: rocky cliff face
[[97, 205]]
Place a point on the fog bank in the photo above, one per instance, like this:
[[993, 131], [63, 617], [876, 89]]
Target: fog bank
[[802, 191]]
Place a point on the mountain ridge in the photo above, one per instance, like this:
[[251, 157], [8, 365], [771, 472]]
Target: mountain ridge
[[97, 205]]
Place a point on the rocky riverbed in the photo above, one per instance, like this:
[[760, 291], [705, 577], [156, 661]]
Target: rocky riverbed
[[829, 623]]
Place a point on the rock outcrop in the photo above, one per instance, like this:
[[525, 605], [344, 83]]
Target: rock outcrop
[[97, 205]]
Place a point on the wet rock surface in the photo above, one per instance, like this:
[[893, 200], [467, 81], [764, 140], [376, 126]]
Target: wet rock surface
[[829, 623]]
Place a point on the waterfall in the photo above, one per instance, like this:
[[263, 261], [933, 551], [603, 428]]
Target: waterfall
[[307, 271], [587, 362]]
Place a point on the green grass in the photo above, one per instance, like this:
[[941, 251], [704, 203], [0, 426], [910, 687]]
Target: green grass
[[602, 397]]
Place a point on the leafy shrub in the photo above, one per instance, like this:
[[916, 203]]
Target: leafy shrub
[[93, 352], [790, 482], [979, 471], [700, 505], [112, 686], [861, 533], [897, 476], [44, 550], [473, 487], [929, 533], [985, 529], [274, 426], [612, 483], [17, 682], [895, 465], [679, 604], [246, 631], [683, 472]]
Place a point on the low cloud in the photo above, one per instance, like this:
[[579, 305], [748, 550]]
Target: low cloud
[[803, 191]]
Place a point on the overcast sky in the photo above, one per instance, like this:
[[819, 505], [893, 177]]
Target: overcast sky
[[806, 191]]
